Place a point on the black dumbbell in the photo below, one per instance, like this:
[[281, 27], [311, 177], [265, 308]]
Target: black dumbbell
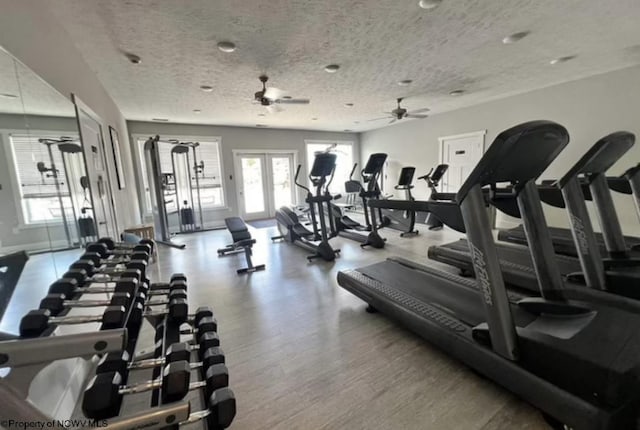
[[100, 261], [103, 395], [91, 270], [207, 340], [35, 322], [112, 245], [103, 250], [201, 326], [166, 285], [220, 412], [120, 361], [177, 310], [70, 287], [56, 303]]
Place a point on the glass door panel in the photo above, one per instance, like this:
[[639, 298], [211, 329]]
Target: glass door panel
[[281, 181]]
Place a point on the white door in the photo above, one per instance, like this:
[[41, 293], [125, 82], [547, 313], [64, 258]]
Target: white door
[[265, 183], [461, 153], [99, 185]]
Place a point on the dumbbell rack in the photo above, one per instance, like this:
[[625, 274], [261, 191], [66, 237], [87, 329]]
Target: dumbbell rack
[[70, 352]]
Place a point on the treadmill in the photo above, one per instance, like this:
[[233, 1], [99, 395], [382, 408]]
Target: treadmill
[[619, 273], [576, 361], [627, 183]]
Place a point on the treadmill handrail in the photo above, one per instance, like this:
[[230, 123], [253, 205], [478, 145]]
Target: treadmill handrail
[[601, 156], [529, 148]]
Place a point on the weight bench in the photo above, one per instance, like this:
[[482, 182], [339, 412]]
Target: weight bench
[[242, 242]]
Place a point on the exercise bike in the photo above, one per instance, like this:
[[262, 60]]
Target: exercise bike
[[433, 180], [403, 221], [289, 225]]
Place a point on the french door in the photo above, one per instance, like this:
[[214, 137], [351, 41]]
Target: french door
[[264, 183]]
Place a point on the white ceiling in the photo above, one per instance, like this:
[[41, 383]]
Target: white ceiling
[[458, 45]]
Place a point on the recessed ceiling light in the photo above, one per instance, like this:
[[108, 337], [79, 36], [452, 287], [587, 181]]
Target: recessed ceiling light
[[405, 82], [226, 46], [515, 37], [8, 96], [133, 58], [261, 114], [429, 4], [456, 93], [562, 59], [206, 88], [348, 105], [314, 119], [261, 125], [347, 130], [197, 111], [159, 119], [332, 68], [356, 122]]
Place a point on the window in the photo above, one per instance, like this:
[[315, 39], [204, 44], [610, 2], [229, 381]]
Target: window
[[207, 168], [344, 161], [38, 194]]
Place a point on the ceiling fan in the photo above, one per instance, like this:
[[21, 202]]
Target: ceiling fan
[[400, 113], [272, 97]]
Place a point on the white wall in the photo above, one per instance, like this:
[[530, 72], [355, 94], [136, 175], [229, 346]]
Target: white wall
[[589, 108], [234, 138], [31, 34]]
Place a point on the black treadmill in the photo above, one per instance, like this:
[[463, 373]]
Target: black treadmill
[[576, 361], [619, 272], [627, 183]]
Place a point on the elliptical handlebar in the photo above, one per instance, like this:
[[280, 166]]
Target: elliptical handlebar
[[427, 176], [328, 183], [355, 165], [295, 180]]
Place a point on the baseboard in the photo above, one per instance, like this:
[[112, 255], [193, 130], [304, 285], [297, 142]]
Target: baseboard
[[34, 246]]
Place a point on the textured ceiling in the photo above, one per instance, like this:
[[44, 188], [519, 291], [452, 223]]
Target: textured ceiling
[[35, 97], [458, 45]]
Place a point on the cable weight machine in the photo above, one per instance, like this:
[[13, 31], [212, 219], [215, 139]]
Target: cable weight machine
[[76, 184], [174, 175]]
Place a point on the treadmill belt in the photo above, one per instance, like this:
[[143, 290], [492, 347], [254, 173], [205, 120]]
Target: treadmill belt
[[562, 240], [516, 262], [447, 292]]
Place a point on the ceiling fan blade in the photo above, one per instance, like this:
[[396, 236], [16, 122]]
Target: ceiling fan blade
[[416, 116], [274, 109], [378, 119], [419, 110], [293, 101], [273, 93], [392, 121]]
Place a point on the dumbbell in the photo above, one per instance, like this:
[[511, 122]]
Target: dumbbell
[[103, 250], [177, 310], [220, 412], [112, 245], [100, 261], [103, 396], [121, 361], [201, 326], [70, 287], [35, 322], [56, 303], [207, 340], [91, 269]]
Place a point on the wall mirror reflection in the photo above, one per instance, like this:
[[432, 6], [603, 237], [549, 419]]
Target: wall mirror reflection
[[46, 210]]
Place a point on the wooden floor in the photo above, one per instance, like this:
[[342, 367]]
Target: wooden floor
[[304, 354]]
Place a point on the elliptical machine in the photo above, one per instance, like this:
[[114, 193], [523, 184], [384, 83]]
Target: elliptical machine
[[403, 221], [289, 226], [433, 180]]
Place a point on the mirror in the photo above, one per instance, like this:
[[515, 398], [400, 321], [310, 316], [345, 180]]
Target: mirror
[[46, 209]]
